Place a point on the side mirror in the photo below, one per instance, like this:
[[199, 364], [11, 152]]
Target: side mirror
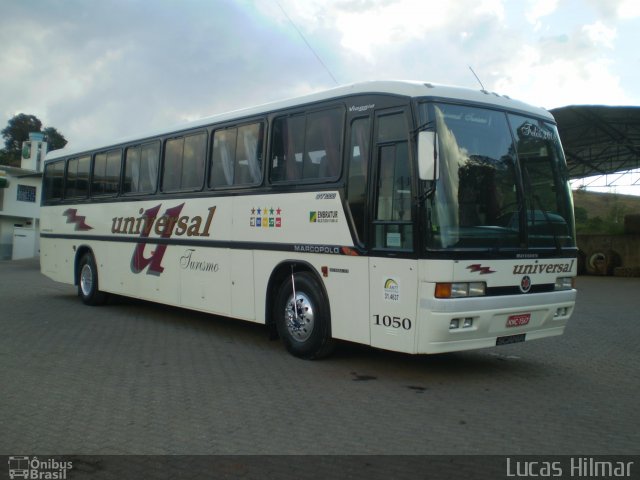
[[428, 156]]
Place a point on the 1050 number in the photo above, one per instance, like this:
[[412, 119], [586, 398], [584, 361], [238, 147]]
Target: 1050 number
[[393, 322]]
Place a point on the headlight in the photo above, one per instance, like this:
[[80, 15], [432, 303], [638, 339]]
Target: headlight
[[565, 283], [460, 289]]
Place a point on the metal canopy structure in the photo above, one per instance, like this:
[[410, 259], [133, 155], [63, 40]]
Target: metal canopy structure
[[599, 140]]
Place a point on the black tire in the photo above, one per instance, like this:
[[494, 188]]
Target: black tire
[[307, 334], [88, 289]]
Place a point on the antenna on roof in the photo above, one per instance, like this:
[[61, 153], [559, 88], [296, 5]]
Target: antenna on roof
[[474, 74]]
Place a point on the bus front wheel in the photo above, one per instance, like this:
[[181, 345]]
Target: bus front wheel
[[303, 323], [88, 282]]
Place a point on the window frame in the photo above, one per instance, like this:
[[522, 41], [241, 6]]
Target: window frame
[[379, 144], [120, 151], [163, 158], [123, 175], [306, 113], [263, 126], [46, 199], [67, 185]]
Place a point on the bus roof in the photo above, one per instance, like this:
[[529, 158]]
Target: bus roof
[[389, 87]]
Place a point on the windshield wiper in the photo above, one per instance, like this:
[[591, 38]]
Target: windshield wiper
[[537, 202], [556, 240], [424, 126]]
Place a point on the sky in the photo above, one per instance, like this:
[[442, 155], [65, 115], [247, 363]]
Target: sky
[[103, 70]]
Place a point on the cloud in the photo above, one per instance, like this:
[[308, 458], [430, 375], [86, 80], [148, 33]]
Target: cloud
[[371, 28], [98, 70], [628, 9], [538, 9], [562, 70], [113, 69], [600, 34]]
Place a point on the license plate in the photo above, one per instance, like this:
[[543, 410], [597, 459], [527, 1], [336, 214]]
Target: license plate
[[518, 320], [510, 339]]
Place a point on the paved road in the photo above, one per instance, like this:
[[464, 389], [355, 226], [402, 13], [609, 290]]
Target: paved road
[[139, 378]]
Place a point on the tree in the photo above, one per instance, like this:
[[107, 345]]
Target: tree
[[17, 131], [581, 214], [55, 139]]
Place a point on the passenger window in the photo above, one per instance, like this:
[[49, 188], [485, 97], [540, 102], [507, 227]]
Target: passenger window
[[248, 161], [222, 158], [106, 173], [183, 167], [141, 168], [287, 148], [53, 181], [236, 157], [77, 181], [307, 146], [193, 157]]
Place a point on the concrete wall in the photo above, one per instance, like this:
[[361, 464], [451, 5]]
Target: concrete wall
[[13, 207], [609, 254], [14, 212]]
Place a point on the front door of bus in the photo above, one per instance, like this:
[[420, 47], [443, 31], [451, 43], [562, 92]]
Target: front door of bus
[[392, 270]]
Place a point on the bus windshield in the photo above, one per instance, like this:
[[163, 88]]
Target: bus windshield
[[502, 182]]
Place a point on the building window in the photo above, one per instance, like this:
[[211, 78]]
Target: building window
[[26, 193]]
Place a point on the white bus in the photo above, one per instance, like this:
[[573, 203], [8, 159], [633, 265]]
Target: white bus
[[407, 216]]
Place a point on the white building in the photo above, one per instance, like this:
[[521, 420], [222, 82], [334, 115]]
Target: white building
[[20, 190]]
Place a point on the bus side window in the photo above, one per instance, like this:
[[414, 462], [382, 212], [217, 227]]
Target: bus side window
[[248, 161], [183, 166], [358, 172], [149, 160], [287, 148], [112, 172], [307, 146], [193, 158], [222, 158], [131, 170], [106, 173], [141, 168], [236, 156], [53, 181], [172, 165], [77, 180], [322, 145]]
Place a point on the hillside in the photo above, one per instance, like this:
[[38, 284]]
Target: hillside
[[603, 212]]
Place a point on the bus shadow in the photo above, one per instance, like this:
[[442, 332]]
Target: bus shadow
[[361, 361], [491, 362], [184, 317]]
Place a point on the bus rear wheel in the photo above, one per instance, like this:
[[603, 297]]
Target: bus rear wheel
[[88, 282], [303, 323]]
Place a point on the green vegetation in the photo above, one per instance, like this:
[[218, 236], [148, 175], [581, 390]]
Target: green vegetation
[[602, 213], [17, 131]]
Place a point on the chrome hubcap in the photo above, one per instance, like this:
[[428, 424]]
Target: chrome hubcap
[[299, 317], [86, 280]]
